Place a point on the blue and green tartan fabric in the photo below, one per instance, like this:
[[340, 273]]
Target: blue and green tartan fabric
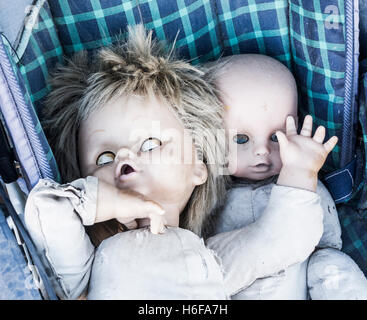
[[353, 216], [308, 36], [299, 33], [354, 236]]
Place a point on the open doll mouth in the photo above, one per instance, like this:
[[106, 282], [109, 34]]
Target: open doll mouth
[[126, 171]]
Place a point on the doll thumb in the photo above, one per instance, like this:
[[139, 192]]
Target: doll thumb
[[282, 138], [157, 224]]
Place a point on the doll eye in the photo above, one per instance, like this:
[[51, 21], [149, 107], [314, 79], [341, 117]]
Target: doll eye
[[274, 138], [240, 138], [150, 144], [105, 158]]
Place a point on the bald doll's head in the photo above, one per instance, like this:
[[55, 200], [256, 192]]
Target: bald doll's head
[[259, 93]]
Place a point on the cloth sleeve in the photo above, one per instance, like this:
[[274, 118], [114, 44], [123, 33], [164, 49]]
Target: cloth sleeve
[[331, 237], [55, 216], [286, 233]]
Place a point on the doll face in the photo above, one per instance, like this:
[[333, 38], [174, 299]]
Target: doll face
[[138, 144], [256, 107]]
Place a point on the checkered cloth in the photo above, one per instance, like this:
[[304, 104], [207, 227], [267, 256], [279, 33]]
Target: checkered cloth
[[308, 36], [353, 215]]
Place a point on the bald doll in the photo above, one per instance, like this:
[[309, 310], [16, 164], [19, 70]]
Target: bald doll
[[260, 96]]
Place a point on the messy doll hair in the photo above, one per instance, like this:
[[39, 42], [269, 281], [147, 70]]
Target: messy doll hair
[[138, 66]]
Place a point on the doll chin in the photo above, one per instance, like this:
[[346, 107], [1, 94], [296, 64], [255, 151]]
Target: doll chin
[[255, 176]]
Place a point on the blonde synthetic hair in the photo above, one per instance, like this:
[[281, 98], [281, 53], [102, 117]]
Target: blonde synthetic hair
[[139, 66]]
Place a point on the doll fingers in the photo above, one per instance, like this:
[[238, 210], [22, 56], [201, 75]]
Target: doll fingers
[[307, 127], [319, 135], [282, 138], [290, 126], [153, 207], [330, 144]]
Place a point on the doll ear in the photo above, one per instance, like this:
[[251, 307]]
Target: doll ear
[[200, 173]]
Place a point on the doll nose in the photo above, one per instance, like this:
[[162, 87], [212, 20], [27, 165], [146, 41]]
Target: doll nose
[[261, 149], [124, 154]]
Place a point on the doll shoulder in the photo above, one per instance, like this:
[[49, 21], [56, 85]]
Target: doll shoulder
[[331, 236]]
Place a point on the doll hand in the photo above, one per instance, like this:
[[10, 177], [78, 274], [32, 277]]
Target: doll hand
[[133, 205], [126, 206], [302, 155], [301, 151]]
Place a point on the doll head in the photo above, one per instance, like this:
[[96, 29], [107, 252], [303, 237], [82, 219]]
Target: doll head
[[134, 116], [259, 93]]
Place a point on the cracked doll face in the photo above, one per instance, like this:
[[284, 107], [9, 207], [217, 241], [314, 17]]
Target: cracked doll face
[[139, 144]]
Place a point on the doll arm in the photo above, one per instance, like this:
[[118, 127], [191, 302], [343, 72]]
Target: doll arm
[[331, 237], [286, 233], [302, 155], [55, 216], [126, 206], [333, 275]]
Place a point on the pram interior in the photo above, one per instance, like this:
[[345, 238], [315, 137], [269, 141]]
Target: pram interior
[[317, 40]]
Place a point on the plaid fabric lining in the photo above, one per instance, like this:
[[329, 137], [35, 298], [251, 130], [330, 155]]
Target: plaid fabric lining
[[205, 30], [354, 235], [318, 50], [43, 51], [255, 28], [353, 217], [363, 120]]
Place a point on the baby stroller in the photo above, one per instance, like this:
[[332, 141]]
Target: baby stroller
[[317, 40]]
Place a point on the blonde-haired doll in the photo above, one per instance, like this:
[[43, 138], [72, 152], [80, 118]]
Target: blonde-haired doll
[[135, 132]]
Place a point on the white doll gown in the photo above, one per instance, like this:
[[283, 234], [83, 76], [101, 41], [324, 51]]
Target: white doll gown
[[175, 265], [326, 274]]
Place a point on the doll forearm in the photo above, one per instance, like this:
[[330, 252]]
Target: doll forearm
[[107, 199], [297, 178], [285, 234], [126, 206], [55, 216]]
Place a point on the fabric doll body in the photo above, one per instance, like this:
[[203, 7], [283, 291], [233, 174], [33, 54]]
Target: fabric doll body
[[326, 274], [137, 264], [244, 205], [260, 93]]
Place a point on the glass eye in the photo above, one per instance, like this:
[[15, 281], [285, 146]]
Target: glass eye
[[240, 138], [274, 138], [150, 144], [105, 158]]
